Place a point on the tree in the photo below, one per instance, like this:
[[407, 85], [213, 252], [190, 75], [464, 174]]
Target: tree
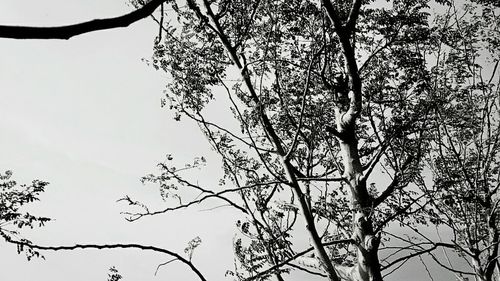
[[319, 107], [465, 154], [326, 96]]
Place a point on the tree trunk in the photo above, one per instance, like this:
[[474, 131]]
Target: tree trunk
[[368, 266], [478, 270]]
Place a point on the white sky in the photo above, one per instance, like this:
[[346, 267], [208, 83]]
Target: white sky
[[85, 115]]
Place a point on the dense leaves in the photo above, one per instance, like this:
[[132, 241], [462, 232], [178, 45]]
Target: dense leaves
[[12, 218]]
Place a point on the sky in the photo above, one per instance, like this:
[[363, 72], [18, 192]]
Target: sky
[[85, 115]]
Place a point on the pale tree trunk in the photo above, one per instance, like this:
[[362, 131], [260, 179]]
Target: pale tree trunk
[[485, 267], [368, 266], [494, 240], [478, 270]]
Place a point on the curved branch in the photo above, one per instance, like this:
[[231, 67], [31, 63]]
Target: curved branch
[[113, 246], [68, 31], [394, 184]]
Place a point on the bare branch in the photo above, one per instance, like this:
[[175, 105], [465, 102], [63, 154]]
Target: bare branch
[[68, 31], [394, 184], [320, 179], [375, 160], [493, 72], [424, 251], [162, 264], [114, 246]]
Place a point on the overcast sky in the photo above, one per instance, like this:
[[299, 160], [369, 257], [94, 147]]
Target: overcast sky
[[85, 115]]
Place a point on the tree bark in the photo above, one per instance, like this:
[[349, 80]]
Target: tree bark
[[368, 266]]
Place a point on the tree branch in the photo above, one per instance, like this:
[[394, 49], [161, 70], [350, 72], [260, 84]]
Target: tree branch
[[113, 246], [303, 104], [211, 194], [375, 160], [353, 15], [418, 253], [68, 31], [309, 179]]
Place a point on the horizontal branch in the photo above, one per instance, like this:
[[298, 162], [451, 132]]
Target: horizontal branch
[[418, 253], [68, 31], [113, 246], [320, 179], [136, 216], [394, 184]]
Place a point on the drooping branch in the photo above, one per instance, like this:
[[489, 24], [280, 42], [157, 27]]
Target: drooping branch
[[69, 31], [113, 246]]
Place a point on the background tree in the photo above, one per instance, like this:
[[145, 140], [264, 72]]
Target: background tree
[[465, 151], [323, 94]]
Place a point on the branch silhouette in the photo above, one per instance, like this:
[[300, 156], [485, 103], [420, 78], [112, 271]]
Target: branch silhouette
[[69, 31], [113, 246]]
